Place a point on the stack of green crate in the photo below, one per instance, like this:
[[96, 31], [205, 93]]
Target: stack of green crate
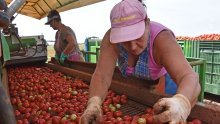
[[210, 50], [191, 49], [92, 44]]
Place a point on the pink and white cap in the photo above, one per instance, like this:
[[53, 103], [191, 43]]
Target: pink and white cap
[[127, 21]]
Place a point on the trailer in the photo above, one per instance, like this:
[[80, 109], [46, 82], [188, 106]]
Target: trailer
[[207, 113]]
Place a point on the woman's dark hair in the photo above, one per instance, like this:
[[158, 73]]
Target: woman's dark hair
[[142, 3]]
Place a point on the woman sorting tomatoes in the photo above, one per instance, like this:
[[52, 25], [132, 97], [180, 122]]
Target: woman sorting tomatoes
[[147, 50]]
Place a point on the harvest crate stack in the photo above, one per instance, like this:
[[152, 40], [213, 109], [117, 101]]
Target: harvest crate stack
[[206, 47]]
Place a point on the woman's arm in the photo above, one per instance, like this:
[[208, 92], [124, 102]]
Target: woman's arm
[[168, 53], [71, 40], [102, 77], [100, 82]]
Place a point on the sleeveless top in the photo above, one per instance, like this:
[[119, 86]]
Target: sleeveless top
[[61, 43], [146, 67]]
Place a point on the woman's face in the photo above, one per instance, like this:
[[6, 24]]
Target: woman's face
[[53, 24], [137, 46]]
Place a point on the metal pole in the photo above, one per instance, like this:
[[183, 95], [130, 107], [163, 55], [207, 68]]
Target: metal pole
[[14, 6]]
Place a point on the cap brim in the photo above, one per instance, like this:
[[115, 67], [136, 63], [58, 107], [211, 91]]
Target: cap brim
[[127, 33], [47, 23]]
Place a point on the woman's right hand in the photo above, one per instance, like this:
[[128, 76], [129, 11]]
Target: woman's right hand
[[57, 57], [93, 112]]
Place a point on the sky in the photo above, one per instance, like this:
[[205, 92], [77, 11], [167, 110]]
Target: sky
[[183, 17]]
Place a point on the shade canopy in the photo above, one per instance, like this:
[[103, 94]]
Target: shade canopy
[[40, 8]]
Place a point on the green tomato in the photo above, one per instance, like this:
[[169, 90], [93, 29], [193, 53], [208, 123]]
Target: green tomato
[[73, 117], [141, 121]]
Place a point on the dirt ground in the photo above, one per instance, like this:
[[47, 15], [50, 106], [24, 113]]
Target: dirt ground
[[51, 52]]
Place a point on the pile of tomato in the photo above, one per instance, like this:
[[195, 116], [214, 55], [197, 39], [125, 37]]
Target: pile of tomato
[[204, 37], [40, 95]]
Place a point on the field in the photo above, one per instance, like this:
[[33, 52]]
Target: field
[[51, 52]]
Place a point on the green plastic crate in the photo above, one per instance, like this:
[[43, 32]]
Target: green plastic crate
[[217, 57], [208, 78], [209, 67], [216, 79], [207, 55], [191, 49], [216, 68], [92, 58], [212, 88], [93, 44]]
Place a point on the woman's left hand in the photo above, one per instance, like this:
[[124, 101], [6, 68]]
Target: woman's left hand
[[63, 57], [173, 110]]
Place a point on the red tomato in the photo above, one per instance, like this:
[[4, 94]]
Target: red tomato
[[56, 119], [120, 122], [123, 96], [189, 122], [196, 121], [149, 111], [149, 120], [117, 114], [123, 101], [127, 118], [19, 122]]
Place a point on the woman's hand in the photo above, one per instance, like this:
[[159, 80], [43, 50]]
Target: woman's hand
[[93, 112], [173, 110], [63, 57]]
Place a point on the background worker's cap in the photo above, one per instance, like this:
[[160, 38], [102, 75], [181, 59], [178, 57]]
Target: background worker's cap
[[53, 14], [127, 21]]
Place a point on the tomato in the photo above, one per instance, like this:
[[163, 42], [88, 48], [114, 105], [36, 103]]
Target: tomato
[[67, 95], [141, 121], [196, 121], [73, 117], [149, 111], [19, 122], [105, 109], [27, 115], [127, 118], [123, 101], [120, 122], [135, 119], [189, 122], [56, 119], [149, 120], [41, 121], [116, 99], [109, 114], [118, 106], [17, 113], [109, 122], [117, 114], [124, 97], [113, 108]]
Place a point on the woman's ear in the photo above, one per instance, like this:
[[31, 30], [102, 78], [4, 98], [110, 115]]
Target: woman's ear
[[147, 20]]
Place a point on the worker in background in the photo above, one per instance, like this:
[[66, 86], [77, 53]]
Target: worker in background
[[66, 46], [147, 50]]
